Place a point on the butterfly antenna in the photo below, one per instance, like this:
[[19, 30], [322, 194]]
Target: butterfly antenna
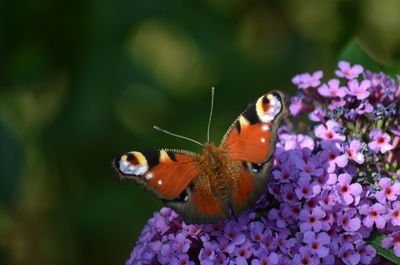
[[211, 112], [177, 135]]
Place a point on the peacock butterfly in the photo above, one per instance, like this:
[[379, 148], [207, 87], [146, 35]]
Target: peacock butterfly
[[224, 179]]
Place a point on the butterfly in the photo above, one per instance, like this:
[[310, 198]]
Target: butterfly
[[225, 179]]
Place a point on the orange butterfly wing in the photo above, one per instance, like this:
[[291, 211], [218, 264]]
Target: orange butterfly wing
[[165, 173], [252, 144], [169, 175], [251, 139]]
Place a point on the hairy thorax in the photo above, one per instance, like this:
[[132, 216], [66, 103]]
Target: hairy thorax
[[218, 173]]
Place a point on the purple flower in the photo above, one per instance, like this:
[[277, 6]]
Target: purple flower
[[306, 188], [328, 200], [214, 229], [191, 229], [269, 243], [181, 243], [317, 115], [349, 220], [166, 254], [348, 238], [285, 243], [299, 141], [348, 193], [366, 252], [288, 193], [308, 168], [318, 244], [264, 259], [364, 107], [332, 153], [353, 151], [285, 175], [359, 90], [388, 191], [306, 80], [332, 89], [275, 215], [329, 131], [305, 257], [311, 219], [374, 214], [207, 254], [257, 231], [181, 259], [337, 104], [296, 105], [380, 141], [347, 71], [349, 255], [242, 254], [394, 213], [161, 225], [220, 259], [291, 211], [392, 241], [234, 233], [225, 245]]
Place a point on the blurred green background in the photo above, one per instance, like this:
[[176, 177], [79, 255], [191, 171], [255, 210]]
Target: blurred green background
[[82, 81]]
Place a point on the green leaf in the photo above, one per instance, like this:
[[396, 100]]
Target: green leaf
[[355, 54], [376, 241]]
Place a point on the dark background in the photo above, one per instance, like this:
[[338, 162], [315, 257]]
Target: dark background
[[82, 81]]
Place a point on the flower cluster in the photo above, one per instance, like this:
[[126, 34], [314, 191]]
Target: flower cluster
[[330, 187]]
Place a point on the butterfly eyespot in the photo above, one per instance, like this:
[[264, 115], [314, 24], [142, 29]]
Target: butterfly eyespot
[[159, 182], [263, 140], [268, 107], [133, 163]]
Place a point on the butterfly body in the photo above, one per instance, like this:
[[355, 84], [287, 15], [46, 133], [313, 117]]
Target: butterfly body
[[222, 180], [217, 174]]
